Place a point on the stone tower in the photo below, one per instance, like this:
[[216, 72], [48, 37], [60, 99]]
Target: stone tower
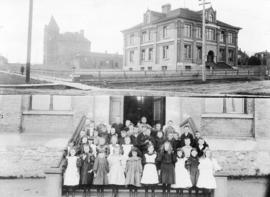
[[51, 35]]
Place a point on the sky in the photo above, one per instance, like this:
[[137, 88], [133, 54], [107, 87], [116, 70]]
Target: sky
[[103, 20]]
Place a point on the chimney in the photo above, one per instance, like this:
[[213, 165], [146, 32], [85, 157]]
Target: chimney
[[166, 8]]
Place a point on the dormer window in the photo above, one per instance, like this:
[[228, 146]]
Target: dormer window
[[211, 18], [147, 18]]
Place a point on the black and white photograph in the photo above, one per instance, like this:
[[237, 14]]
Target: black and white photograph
[[124, 98]]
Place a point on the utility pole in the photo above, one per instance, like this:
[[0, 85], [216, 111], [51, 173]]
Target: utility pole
[[29, 42], [203, 39]]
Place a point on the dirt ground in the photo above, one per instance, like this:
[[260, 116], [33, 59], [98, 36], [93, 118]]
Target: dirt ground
[[213, 88], [15, 79]]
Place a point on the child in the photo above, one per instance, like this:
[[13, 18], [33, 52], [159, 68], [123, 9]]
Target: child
[[113, 144], [102, 146], [187, 148], [127, 146], [166, 160], [192, 165], [134, 136], [207, 167], [87, 160], [186, 134], [71, 175], [112, 133], [159, 140], [121, 139], [93, 146], [100, 169], [150, 175], [133, 171], [182, 177], [116, 174], [168, 128], [201, 146], [84, 141]]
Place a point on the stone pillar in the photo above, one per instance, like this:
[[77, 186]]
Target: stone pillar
[[226, 48], [222, 188], [194, 46], [175, 37], [155, 39], [236, 50], [124, 52], [139, 48], [181, 41], [54, 182], [217, 52]]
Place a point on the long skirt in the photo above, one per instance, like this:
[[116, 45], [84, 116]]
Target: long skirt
[[167, 173]]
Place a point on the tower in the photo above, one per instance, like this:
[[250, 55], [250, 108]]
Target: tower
[[51, 34]]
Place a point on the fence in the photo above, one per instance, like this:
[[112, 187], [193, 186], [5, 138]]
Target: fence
[[166, 75]]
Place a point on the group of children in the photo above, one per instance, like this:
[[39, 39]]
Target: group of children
[[139, 155]]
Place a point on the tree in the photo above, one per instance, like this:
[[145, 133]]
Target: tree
[[254, 61]]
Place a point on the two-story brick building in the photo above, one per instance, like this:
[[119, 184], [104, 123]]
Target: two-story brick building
[[172, 39]]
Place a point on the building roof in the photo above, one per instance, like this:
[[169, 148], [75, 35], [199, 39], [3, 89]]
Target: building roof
[[73, 36], [52, 24], [184, 13]]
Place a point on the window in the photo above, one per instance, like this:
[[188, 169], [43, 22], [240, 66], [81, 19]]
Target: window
[[165, 50], [131, 39], [130, 69], [150, 35], [231, 55], [188, 68], [211, 18], [210, 34], [150, 54], [50, 103], [144, 36], [164, 67], [149, 68], [61, 103], [230, 38], [188, 30], [187, 54], [222, 36], [199, 52], [165, 32], [41, 102], [142, 68], [198, 32], [225, 105], [143, 54], [131, 56]]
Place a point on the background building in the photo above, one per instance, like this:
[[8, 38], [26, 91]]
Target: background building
[[172, 39], [71, 50], [62, 48]]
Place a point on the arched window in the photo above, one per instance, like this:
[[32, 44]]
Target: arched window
[[211, 17]]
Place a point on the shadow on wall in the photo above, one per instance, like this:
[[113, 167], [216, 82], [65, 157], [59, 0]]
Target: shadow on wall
[[268, 187]]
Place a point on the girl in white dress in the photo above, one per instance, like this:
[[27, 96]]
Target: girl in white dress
[[127, 146], [150, 174], [182, 176], [207, 168], [72, 176], [116, 175]]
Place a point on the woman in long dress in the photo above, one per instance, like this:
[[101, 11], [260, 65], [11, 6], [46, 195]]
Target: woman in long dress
[[207, 168], [182, 176]]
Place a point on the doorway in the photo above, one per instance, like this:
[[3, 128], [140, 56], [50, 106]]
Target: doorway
[[210, 56], [153, 108]]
